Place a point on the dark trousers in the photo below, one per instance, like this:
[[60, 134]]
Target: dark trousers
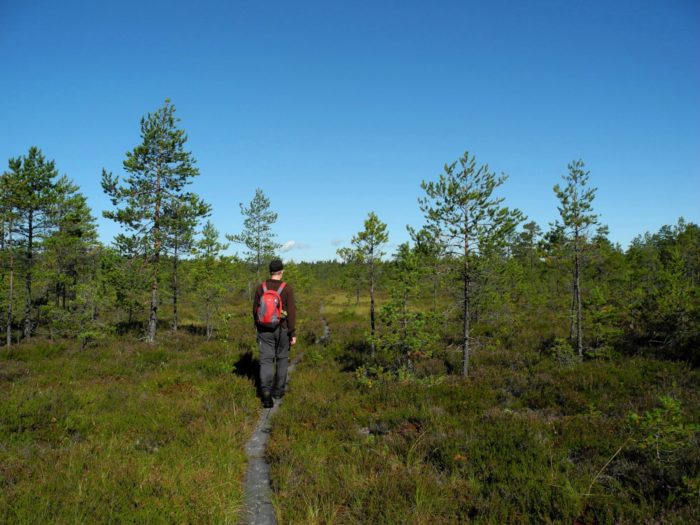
[[274, 360]]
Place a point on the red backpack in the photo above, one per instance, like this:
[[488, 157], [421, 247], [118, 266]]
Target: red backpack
[[269, 312]]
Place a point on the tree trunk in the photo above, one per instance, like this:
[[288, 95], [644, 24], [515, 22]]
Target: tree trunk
[[208, 320], [175, 290], [371, 303], [435, 291], [258, 261], [28, 277], [10, 291], [572, 310], [153, 315], [465, 311], [577, 295], [404, 314]]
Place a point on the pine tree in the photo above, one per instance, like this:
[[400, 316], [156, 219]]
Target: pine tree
[[576, 210], [406, 333], [69, 259], [122, 275], [257, 235], [181, 218], [34, 196], [461, 209], [353, 275], [159, 170], [368, 247], [9, 217], [525, 246], [208, 273], [431, 253], [70, 249]]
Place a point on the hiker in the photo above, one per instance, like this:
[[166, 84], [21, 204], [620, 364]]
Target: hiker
[[274, 313]]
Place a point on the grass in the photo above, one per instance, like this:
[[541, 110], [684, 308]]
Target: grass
[[132, 433], [523, 440], [123, 433]]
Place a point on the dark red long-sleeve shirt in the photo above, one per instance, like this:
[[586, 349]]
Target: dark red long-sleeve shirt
[[287, 304]]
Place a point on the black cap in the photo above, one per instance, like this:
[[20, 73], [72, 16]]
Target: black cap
[[276, 266]]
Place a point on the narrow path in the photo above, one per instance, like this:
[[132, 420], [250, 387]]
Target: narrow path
[[258, 508]]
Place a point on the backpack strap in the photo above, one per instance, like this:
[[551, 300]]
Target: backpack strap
[[264, 286], [279, 290]]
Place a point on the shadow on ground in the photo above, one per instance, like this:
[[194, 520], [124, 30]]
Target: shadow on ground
[[248, 366], [354, 355]]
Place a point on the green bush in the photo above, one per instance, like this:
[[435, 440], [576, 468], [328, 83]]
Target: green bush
[[562, 352]]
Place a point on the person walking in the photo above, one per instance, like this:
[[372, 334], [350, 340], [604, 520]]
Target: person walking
[[274, 314]]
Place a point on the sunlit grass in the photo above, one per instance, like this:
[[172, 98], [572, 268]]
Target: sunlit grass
[[125, 433], [523, 440]]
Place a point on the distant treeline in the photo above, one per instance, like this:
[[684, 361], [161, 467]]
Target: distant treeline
[[476, 273]]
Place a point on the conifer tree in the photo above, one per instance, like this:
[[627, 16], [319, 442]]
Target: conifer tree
[[462, 210], [8, 216], [257, 235], [526, 242], [368, 246], [576, 210], [34, 196], [208, 273], [353, 270], [159, 169], [181, 217], [70, 249], [431, 253], [69, 259], [123, 277], [406, 333]]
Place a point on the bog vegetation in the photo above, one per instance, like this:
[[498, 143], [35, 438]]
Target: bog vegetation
[[491, 370]]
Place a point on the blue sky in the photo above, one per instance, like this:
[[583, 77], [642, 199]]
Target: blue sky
[[337, 109]]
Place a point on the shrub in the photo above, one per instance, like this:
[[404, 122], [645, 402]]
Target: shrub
[[562, 352]]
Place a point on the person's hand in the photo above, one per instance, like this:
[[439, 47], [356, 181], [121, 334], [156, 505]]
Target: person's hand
[[293, 340]]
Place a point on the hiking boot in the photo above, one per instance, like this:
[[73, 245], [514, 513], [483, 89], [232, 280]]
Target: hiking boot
[[277, 394], [267, 400]]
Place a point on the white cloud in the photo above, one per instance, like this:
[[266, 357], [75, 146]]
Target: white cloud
[[294, 245]]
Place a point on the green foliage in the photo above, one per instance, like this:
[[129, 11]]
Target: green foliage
[[665, 302], [371, 376], [378, 445], [378, 429], [158, 171], [257, 235], [90, 438], [576, 210], [562, 352], [210, 275], [463, 213], [663, 432], [156, 209], [368, 250], [31, 200], [352, 277], [461, 207], [576, 199], [405, 334], [314, 356], [368, 244]]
